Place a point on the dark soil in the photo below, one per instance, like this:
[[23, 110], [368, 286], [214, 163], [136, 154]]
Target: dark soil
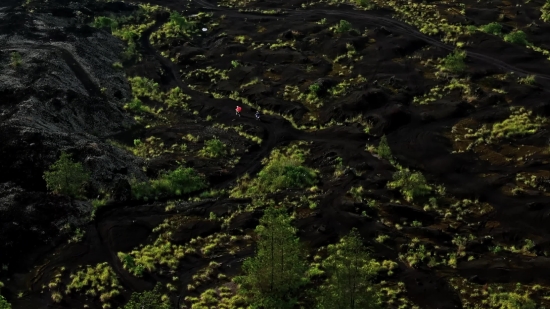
[[67, 96]]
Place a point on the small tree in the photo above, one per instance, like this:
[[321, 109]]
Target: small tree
[[384, 150], [66, 177], [213, 148], [148, 300], [411, 185], [278, 270], [350, 269], [4, 303]]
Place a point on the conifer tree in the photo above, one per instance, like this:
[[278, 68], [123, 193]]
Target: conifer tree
[[273, 276], [350, 269]]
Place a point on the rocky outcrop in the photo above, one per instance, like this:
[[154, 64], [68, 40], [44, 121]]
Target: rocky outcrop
[[59, 91]]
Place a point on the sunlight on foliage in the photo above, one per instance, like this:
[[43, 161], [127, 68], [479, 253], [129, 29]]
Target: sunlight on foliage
[[100, 280], [148, 300], [283, 170], [411, 184]]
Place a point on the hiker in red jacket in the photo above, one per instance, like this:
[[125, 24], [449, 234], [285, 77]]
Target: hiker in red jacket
[[238, 110]]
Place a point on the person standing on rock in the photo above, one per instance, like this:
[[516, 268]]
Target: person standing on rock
[[257, 115], [238, 111]]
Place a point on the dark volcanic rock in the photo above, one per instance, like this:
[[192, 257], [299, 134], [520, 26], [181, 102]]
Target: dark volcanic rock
[[64, 95]]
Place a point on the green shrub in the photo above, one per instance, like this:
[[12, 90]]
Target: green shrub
[[177, 182], [411, 185], [314, 88], [492, 28], [66, 177], [545, 10], [213, 148], [285, 172], [364, 3], [180, 22], [454, 62], [105, 22], [516, 37], [512, 301], [148, 300], [343, 26], [4, 303]]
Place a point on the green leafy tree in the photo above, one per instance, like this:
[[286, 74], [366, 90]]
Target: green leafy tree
[[66, 176], [148, 300], [4, 303], [272, 277], [411, 185], [350, 269]]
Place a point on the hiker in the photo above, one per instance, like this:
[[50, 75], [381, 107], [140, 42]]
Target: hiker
[[238, 110], [257, 115]]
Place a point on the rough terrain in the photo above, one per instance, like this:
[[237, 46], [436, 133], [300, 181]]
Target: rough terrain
[[484, 224]]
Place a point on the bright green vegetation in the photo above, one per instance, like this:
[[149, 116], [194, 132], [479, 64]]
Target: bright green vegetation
[[182, 180], [512, 301], [454, 63], [66, 177], [342, 26], [178, 26], [149, 257], [4, 303], [521, 122], [545, 10], [143, 87], [517, 37], [283, 170], [100, 280], [276, 273], [219, 298], [129, 28], [213, 148], [493, 28], [349, 269], [148, 300], [411, 184]]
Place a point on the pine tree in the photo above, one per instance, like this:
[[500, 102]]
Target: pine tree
[[350, 269], [66, 177], [277, 271]]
